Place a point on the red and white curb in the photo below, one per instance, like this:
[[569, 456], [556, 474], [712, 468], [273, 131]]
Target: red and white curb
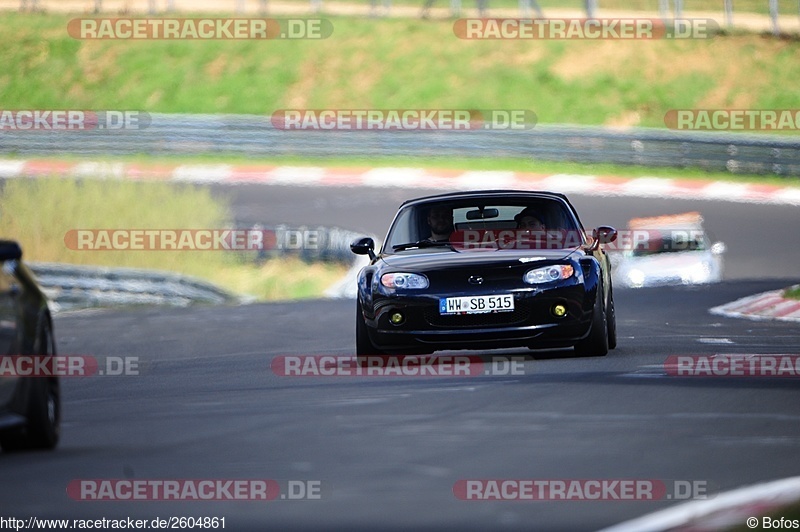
[[739, 507], [766, 306], [423, 178]]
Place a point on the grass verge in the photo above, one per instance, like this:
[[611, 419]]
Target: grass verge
[[396, 64], [792, 293], [38, 213]]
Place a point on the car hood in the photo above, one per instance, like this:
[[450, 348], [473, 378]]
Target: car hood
[[432, 259]]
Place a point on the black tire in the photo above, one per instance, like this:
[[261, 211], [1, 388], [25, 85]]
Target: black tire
[[45, 417], [364, 347], [611, 317], [596, 344], [43, 426]]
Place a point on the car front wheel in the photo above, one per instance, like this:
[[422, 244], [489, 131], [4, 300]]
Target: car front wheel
[[611, 317], [42, 429], [364, 347], [596, 344]]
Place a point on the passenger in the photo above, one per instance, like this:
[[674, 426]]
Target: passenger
[[528, 219]]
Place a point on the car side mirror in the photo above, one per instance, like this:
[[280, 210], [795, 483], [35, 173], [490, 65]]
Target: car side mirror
[[363, 246], [10, 250], [602, 235], [718, 248]]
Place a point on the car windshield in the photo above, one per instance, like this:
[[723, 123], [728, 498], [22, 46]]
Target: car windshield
[[433, 226]]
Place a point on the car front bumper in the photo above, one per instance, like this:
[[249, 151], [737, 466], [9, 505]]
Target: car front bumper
[[531, 324]]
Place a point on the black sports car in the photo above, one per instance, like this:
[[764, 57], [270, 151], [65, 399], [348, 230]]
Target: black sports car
[[485, 270], [30, 406]]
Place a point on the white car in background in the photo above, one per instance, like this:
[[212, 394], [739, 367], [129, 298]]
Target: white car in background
[[668, 250]]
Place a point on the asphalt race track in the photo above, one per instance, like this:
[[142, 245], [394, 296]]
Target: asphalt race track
[[388, 450]]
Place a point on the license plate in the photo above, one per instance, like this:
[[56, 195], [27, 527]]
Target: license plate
[[476, 304]]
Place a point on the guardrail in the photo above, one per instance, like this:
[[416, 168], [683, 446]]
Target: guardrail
[[255, 136], [70, 287]]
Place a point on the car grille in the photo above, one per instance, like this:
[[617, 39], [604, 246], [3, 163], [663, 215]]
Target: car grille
[[518, 315]]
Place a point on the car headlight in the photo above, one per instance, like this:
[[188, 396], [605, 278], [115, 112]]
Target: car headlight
[[636, 278], [548, 274], [404, 280]]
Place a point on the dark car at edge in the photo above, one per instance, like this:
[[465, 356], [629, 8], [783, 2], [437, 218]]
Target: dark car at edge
[[30, 401], [489, 282]]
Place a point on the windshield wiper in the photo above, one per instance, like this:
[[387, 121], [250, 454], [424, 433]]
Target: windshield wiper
[[422, 244]]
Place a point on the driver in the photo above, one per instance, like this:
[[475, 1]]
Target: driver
[[528, 219], [440, 220]]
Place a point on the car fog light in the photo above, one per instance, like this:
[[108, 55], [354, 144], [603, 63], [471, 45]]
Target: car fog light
[[397, 318], [559, 310]]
